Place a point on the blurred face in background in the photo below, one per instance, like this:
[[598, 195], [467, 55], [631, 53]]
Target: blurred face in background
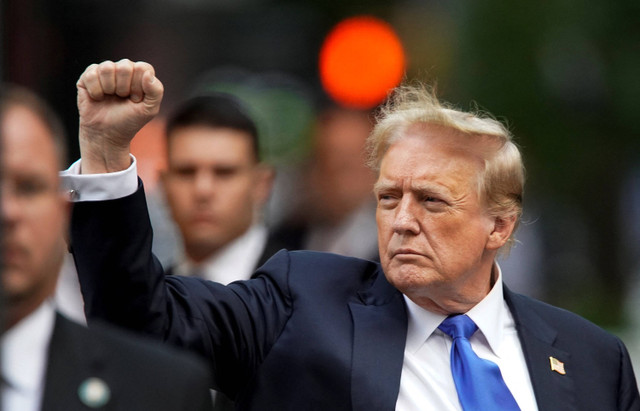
[[339, 180], [214, 185], [34, 211]]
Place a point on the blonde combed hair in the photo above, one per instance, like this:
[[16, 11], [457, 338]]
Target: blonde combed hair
[[501, 184]]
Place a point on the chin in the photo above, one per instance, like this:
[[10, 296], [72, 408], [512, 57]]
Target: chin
[[14, 286], [409, 277], [203, 236], [206, 243]]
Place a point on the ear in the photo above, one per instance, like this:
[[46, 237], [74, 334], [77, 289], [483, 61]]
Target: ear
[[502, 229], [265, 177]]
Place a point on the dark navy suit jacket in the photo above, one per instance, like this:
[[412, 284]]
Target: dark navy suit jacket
[[139, 375], [315, 331]]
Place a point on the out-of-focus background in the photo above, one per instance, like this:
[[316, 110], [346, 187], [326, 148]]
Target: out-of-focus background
[[563, 74]]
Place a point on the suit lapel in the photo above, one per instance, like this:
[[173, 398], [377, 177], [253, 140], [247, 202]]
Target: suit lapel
[[69, 365], [553, 390], [380, 331]]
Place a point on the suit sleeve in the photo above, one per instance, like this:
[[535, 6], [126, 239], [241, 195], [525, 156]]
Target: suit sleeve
[[628, 397], [123, 283]]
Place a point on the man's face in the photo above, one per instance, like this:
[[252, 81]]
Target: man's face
[[34, 211], [339, 179], [214, 186], [435, 237]]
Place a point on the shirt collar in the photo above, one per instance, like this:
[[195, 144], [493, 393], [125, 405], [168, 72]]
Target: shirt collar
[[25, 350], [235, 261], [489, 315], [422, 323]]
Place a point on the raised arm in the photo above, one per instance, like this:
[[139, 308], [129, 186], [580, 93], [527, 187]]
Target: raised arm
[[115, 100], [122, 282]]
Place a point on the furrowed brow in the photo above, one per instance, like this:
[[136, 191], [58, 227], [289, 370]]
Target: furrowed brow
[[384, 186]]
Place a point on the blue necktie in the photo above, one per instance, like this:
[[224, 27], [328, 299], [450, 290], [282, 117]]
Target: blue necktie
[[478, 381]]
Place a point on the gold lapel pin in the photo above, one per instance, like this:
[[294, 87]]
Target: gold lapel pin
[[94, 392], [557, 366]]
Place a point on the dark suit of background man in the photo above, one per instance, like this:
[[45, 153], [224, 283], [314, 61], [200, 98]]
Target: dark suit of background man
[[49, 362], [326, 332]]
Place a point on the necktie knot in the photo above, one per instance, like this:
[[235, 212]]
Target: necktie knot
[[458, 326]]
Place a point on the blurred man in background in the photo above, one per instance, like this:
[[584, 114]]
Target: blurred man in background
[[216, 188], [337, 211], [49, 362]]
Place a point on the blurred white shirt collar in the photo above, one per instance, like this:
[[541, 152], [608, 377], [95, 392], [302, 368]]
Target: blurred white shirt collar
[[25, 349]]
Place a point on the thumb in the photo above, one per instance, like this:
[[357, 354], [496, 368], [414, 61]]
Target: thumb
[[153, 91]]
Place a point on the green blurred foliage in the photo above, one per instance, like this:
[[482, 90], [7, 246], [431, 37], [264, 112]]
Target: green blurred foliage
[[564, 75]]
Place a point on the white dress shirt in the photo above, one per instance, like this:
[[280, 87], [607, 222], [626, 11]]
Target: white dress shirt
[[25, 349], [68, 297], [235, 261], [98, 187], [426, 382]]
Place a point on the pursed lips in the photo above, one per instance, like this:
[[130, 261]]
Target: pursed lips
[[406, 252], [202, 217]]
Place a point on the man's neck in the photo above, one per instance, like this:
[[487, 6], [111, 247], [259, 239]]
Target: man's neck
[[457, 300], [18, 309], [199, 255]]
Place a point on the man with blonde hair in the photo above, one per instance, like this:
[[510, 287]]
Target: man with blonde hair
[[501, 182], [429, 327]]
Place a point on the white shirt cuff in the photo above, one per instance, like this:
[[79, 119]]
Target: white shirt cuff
[[100, 187]]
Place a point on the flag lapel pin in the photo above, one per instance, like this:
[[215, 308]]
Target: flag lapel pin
[[557, 365]]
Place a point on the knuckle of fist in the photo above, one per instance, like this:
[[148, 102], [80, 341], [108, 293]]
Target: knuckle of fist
[[106, 68], [123, 71], [91, 74]]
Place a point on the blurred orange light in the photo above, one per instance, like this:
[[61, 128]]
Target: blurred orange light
[[361, 60]]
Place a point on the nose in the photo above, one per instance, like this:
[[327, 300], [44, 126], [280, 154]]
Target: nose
[[9, 203], [405, 220], [204, 183]]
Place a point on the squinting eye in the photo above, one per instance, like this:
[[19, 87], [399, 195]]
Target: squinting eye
[[30, 188], [183, 172], [387, 201], [226, 172], [434, 204]]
